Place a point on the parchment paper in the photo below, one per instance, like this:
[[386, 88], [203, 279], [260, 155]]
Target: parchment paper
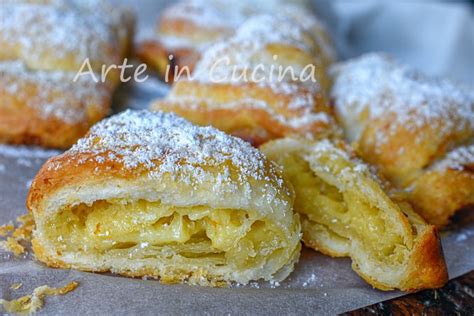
[[319, 285]]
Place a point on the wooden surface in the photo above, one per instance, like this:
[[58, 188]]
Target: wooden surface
[[456, 298]]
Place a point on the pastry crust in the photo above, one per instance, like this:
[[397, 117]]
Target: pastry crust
[[47, 108], [448, 184], [403, 123], [187, 28], [42, 51], [345, 212], [167, 62], [149, 194], [223, 90]]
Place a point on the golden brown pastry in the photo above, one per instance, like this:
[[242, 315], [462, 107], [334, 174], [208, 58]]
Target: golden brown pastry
[[263, 83], [345, 212], [187, 28], [46, 107], [150, 194], [405, 123], [446, 186], [44, 45]]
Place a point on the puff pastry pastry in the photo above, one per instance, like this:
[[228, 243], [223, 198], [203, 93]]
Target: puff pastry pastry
[[44, 45], [419, 131], [345, 212], [224, 90], [150, 194], [187, 28]]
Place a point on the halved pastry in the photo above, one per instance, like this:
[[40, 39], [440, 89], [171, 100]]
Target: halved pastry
[[44, 47], [404, 123], [150, 194], [263, 83], [186, 28], [345, 212]]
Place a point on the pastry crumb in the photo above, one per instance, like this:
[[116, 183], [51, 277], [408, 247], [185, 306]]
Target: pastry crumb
[[30, 304], [12, 245], [6, 229], [16, 286], [23, 232], [25, 229]]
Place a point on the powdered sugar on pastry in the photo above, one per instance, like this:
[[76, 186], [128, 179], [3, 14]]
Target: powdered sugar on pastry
[[240, 57], [38, 30], [457, 159], [231, 67], [219, 16], [252, 37], [305, 117], [205, 13], [165, 143], [218, 13], [381, 85], [55, 95]]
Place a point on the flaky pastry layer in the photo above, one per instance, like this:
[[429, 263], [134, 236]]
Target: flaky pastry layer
[[254, 113]]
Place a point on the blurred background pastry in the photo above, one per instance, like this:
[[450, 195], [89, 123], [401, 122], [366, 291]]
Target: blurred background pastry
[[267, 81], [44, 45], [419, 131], [188, 27]]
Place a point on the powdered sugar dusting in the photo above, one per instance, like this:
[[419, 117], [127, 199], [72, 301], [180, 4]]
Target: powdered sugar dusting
[[167, 144], [457, 159], [381, 85], [61, 34], [221, 19], [242, 53], [219, 14], [306, 116], [44, 43], [328, 157], [40, 31], [206, 13], [55, 94], [325, 147]]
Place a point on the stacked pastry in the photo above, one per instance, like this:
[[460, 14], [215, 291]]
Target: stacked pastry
[[267, 81], [151, 194], [44, 45], [418, 131], [188, 27]]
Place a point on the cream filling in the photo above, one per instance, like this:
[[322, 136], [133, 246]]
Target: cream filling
[[341, 223], [143, 230]]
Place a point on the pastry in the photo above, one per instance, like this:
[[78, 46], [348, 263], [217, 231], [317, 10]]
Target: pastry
[[47, 107], [241, 88], [407, 124], [446, 187], [44, 47], [187, 28], [148, 194], [346, 212]]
